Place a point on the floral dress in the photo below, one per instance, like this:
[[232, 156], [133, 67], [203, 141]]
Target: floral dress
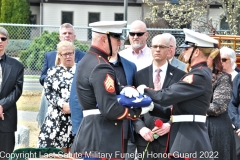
[[56, 130]]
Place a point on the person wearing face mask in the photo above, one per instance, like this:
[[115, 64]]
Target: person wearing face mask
[[139, 53]]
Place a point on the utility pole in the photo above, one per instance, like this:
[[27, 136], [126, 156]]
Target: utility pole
[[41, 15], [125, 9]]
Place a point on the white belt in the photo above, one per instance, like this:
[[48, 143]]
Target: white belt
[[91, 112], [188, 118]]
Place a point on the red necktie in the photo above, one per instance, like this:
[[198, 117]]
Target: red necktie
[[157, 82]]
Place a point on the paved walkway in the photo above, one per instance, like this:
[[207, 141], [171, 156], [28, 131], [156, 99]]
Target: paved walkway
[[27, 115]]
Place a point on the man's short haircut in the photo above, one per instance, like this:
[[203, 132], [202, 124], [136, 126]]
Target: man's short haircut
[[66, 25], [171, 37]]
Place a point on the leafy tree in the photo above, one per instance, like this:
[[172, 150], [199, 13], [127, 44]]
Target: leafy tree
[[197, 13], [33, 56], [16, 11], [6, 11], [21, 12]]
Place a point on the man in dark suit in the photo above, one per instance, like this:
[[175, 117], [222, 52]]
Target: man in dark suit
[[168, 75], [67, 33], [11, 85]]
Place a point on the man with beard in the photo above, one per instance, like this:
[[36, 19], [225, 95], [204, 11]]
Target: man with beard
[[139, 53]]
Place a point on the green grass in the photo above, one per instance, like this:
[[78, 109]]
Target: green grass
[[29, 101], [31, 77]]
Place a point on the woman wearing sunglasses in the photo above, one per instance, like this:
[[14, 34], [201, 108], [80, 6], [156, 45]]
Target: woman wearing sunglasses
[[228, 59]]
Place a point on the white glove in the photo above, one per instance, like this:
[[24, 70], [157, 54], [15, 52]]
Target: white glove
[[129, 92], [141, 88], [147, 109]]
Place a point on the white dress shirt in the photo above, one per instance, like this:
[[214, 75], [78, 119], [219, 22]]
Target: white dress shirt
[[142, 60]]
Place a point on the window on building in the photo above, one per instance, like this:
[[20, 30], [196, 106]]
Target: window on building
[[92, 17], [33, 19], [224, 24], [67, 17], [174, 1], [118, 17]]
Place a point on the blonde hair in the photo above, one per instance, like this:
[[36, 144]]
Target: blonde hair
[[60, 46]]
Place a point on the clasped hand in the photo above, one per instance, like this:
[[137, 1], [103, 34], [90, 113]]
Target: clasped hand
[[141, 89], [129, 92], [132, 92], [1, 112]]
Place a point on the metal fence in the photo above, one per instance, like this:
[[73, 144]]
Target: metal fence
[[22, 36]]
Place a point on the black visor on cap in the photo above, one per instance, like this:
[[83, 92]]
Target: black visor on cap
[[187, 44], [117, 36]]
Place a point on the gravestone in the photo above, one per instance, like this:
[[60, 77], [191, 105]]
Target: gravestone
[[22, 136]]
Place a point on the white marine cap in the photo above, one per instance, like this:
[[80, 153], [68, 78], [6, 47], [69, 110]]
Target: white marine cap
[[114, 28], [197, 39]]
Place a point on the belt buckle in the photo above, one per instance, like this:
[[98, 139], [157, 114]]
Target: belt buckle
[[171, 118]]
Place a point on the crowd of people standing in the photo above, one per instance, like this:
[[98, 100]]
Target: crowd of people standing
[[80, 111]]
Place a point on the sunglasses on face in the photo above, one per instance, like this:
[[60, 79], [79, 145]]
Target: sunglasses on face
[[139, 34], [3, 38], [224, 59]]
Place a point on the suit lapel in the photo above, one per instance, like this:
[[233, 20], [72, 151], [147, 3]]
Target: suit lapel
[[169, 75], [6, 73], [150, 76]]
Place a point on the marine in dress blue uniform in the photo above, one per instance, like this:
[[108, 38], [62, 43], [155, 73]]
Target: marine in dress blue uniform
[[192, 94], [101, 131]]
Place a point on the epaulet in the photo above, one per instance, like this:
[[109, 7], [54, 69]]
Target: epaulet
[[188, 79]]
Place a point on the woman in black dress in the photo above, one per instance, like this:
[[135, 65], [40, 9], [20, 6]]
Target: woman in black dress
[[218, 122]]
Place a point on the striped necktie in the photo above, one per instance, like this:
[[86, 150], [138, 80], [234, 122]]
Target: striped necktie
[[157, 81]]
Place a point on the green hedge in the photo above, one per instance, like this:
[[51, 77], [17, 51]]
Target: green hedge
[[14, 46], [33, 57]]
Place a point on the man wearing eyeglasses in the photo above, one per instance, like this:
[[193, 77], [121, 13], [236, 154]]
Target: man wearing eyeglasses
[[67, 33], [11, 85], [168, 75], [139, 53]]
